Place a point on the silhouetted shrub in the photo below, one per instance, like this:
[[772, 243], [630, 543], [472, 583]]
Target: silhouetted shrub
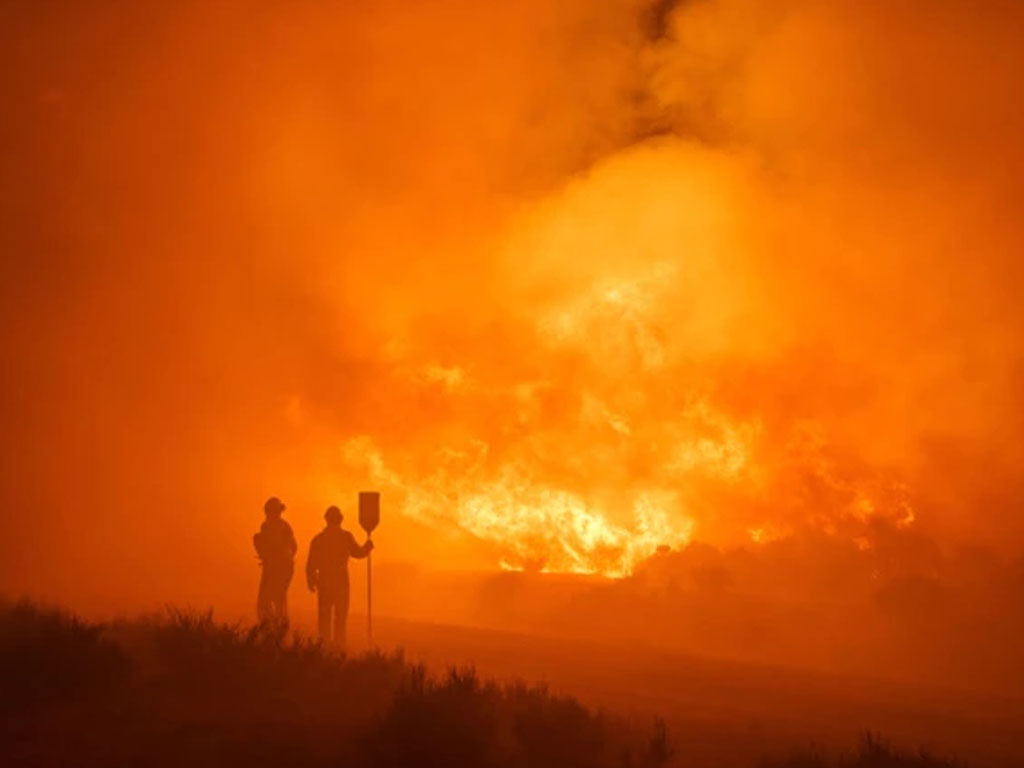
[[459, 720], [183, 689], [48, 656], [872, 752]]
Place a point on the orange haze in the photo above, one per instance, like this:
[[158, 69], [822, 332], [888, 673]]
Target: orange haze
[[567, 281]]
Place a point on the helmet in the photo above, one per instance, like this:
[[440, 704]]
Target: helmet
[[333, 515], [273, 505]]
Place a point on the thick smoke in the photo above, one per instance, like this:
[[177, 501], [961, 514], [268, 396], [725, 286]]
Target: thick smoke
[[568, 281], [778, 300]]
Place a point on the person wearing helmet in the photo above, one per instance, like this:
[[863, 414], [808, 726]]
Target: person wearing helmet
[[275, 547], [327, 574]]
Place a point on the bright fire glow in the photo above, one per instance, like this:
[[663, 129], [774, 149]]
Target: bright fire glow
[[587, 414]]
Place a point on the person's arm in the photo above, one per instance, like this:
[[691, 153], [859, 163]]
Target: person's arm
[[293, 546], [357, 551], [312, 567]]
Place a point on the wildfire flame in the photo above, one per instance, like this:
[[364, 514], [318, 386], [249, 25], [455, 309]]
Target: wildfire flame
[[537, 527], [603, 434]]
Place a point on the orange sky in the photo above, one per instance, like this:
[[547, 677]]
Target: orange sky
[[566, 281]]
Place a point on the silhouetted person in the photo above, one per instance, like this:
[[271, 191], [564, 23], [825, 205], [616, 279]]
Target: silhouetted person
[[327, 573], [276, 547]]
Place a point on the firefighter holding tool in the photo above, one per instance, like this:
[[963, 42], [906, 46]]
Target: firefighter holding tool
[[327, 575]]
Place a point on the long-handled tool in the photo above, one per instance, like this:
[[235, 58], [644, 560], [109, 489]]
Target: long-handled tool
[[369, 518], [369, 596]]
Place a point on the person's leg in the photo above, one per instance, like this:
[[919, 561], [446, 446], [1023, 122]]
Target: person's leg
[[341, 618], [286, 580], [324, 606], [264, 604], [282, 606]]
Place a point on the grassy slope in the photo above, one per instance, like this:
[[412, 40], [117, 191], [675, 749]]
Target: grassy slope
[[184, 690]]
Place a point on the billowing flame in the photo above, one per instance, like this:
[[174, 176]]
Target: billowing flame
[[681, 305], [605, 428], [598, 437], [534, 525]]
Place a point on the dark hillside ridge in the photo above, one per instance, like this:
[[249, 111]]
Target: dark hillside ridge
[[183, 689]]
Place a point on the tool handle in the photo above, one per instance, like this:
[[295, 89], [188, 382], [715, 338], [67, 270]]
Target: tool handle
[[369, 596]]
